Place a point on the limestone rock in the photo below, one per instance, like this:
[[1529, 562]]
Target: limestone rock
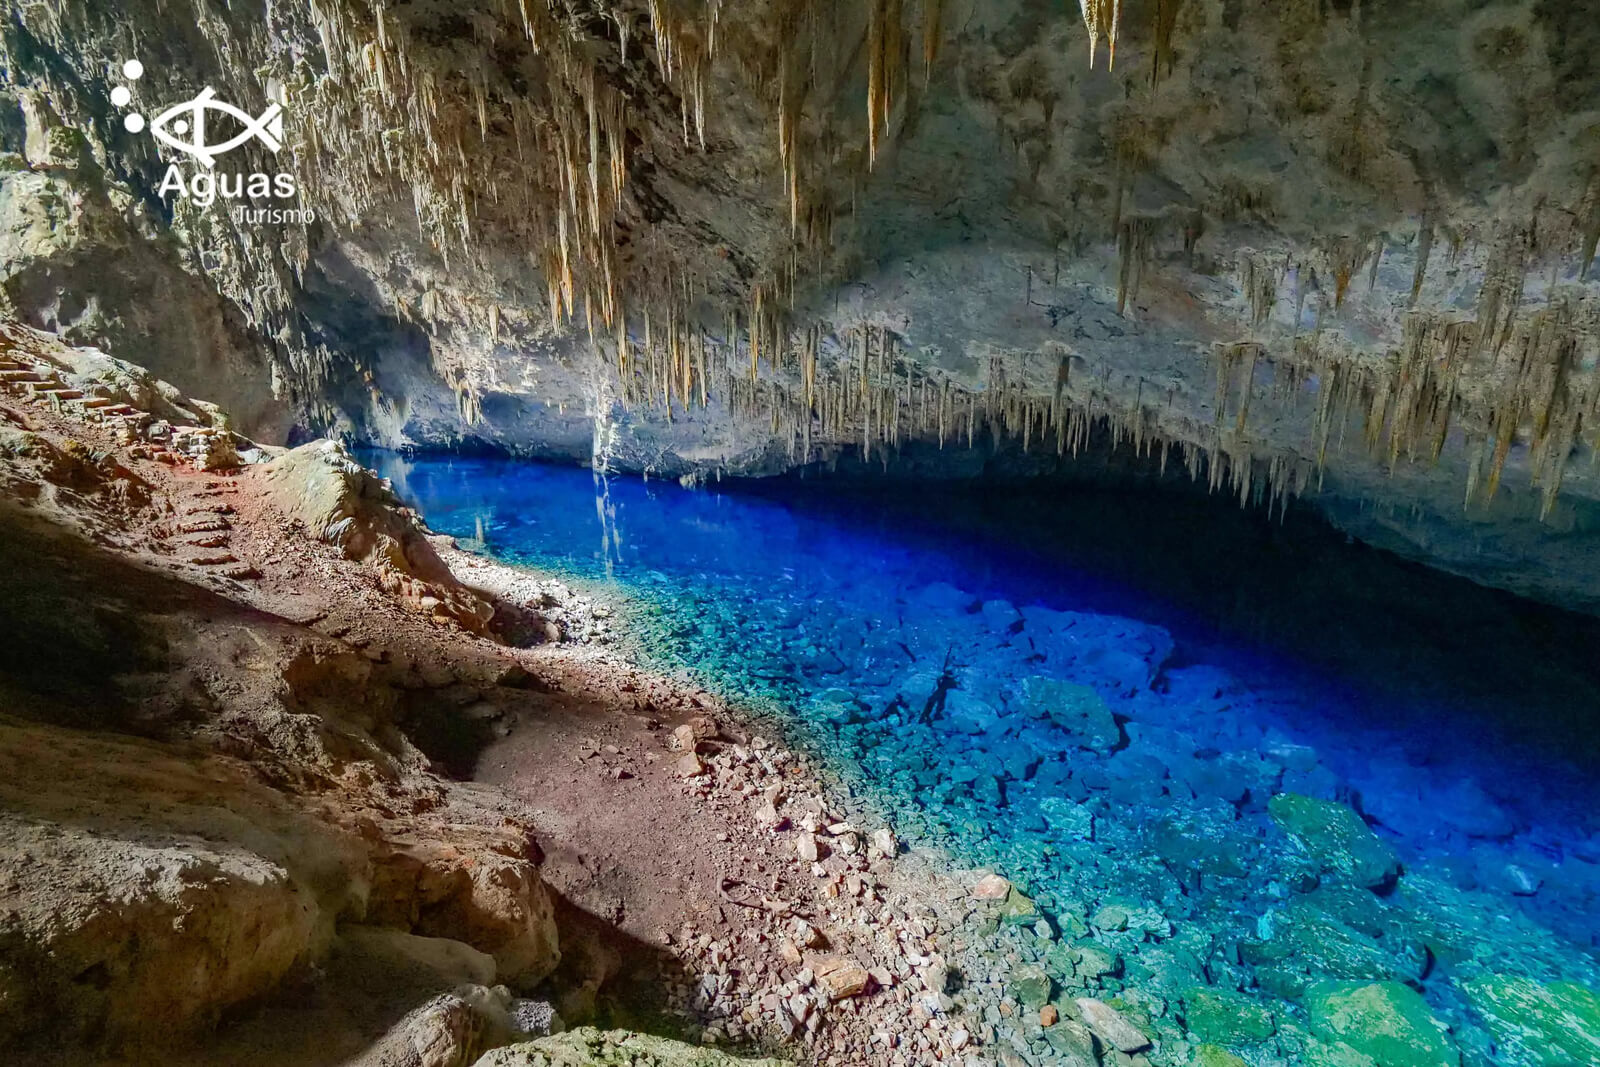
[[1031, 986], [1215, 1056], [991, 887], [1539, 1025], [1224, 1017], [841, 976], [1110, 1025], [453, 961], [451, 1030], [167, 893], [1387, 1021], [1337, 838], [1078, 710], [341, 502]]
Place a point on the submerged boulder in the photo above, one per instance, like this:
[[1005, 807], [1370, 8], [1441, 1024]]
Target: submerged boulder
[[1388, 1022], [1224, 1017], [1323, 936], [1077, 710], [1539, 1025], [1337, 838]]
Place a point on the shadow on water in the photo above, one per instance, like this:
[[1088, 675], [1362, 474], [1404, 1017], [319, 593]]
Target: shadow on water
[[1403, 646]]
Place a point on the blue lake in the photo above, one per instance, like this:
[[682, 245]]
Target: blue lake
[[1098, 693]]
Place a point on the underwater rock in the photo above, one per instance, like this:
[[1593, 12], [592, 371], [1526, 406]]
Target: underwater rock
[[1387, 1021], [1337, 838], [1032, 986], [1071, 1041], [1315, 939], [587, 1047], [1077, 710], [1539, 1025], [1469, 927], [1111, 1026], [1018, 909], [1205, 839], [1214, 1056], [1225, 1017]]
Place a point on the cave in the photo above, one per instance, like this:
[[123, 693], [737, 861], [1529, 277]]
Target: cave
[[689, 533]]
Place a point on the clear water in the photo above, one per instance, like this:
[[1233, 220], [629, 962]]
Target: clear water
[[901, 635]]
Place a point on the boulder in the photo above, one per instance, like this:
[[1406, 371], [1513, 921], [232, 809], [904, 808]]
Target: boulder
[[841, 976], [1337, 838], [341, 502], [1031, 986], [1320, 937], [1386, 1021], [451, 1030], [1224, 1017], [1077, 710], [1536, 1024], [1213, 1056], [452, 961], [1111, 1026]]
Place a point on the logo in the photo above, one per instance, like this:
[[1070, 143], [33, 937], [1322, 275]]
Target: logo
[[190, 120], [268, 129]]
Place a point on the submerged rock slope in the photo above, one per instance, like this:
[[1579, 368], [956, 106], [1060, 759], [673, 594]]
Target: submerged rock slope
[[1311, 247]]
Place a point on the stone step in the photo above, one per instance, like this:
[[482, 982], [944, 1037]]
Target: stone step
[[93, 403], [21, 374]]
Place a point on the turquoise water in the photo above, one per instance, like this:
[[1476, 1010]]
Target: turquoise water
[[1099, 693]]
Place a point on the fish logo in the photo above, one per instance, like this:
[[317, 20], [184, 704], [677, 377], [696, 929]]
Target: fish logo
[[189, 118]]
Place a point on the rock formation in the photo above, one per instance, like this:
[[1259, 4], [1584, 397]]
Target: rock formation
[[341, 502], [1316, 248]]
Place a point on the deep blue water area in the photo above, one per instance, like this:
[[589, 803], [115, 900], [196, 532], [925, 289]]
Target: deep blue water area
[[1099, 691]]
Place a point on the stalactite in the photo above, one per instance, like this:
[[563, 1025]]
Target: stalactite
[[1424, 249], [1103, 18], [932, 34], [1134, 241], [1166, 21]]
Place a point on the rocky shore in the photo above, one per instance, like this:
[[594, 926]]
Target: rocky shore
[[244, 705]]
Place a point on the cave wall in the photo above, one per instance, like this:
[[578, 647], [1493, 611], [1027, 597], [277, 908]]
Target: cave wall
[[1308, 248]]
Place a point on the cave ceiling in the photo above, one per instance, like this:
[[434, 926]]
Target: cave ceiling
[[1305, 248]]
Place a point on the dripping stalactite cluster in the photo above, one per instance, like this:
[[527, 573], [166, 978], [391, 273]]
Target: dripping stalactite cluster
[[754, 235]]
